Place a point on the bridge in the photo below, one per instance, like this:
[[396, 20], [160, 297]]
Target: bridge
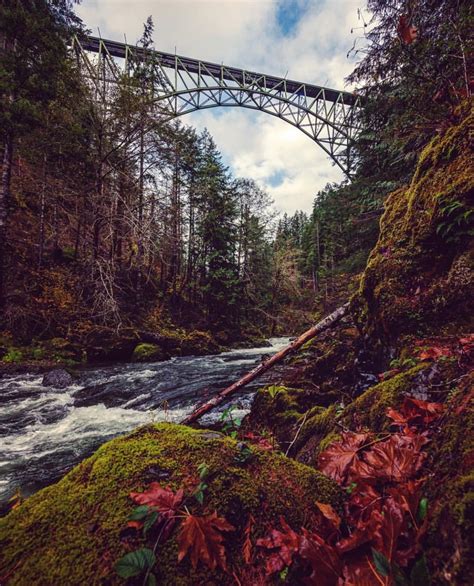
[[329, 117]]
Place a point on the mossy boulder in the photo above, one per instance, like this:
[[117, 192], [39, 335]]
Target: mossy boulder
[[104, 344], [420, 275], [149, 353], [75, 531], [278, 409], [370, 409], [174, 342], [198, 343], [450, 491]]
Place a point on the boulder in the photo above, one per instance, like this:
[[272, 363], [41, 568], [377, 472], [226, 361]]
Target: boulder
[[75, 531], [58, 378]]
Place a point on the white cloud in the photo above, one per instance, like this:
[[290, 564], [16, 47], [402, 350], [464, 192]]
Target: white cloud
[[245, 33]]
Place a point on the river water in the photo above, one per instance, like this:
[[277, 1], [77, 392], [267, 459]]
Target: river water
[[45, 431]]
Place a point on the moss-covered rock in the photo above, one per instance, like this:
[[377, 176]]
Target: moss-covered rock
[[450, 490], [149, 353], [198, 343], [278, 409], [420, 275], [370, 409], [175, 342], [75, 531]]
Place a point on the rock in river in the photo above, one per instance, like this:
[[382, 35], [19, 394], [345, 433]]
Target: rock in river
[[58, 378]]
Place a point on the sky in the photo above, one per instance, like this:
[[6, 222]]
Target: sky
[[306, 40]]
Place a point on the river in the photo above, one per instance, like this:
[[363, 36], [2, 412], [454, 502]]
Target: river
[[45, 431]]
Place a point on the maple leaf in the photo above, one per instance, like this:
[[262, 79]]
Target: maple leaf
[[467, 343], [362, 533], [162, 499], [202, 538], [360, 571], [415, 411], [435, 353], [159, 500], [363, 501], [323, 559], [338, 457], [396, 459], [386, 536], [286, 542]]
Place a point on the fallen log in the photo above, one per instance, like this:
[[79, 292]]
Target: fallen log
[[324, 324]]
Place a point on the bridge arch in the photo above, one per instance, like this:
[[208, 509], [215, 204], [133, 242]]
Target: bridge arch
[[329, 117]]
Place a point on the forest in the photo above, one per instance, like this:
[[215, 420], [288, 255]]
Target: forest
[[136, 263]]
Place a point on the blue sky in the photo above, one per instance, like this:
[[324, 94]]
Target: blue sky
[[289, 13], [306, 40]]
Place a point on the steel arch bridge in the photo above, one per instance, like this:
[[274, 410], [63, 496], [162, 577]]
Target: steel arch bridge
[[327, 116]]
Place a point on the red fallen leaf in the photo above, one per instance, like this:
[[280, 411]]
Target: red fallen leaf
[[415, 411], [408, 496], [286, 542], [247, 547], [323, 559], [329, 513], [363, 502], [467, 342], [386, 536], [162, 499], [362, 533], [202, 538], [338, 457], [395, 460], [435, 353], [408, 33], [360, 571], [258, 441], [412, 545]]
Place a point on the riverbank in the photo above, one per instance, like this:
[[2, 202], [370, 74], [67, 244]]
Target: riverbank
[[46, 430], [110, 347]]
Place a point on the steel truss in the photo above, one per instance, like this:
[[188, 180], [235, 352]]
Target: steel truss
[[185, 85]]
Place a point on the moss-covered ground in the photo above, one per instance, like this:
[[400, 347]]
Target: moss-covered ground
[[75, 531]]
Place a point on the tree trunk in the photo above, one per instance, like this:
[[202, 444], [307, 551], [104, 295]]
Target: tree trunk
[[4, 205], [324, 324]]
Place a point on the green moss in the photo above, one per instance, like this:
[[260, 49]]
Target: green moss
[[72, 532], [408, 285], [369, 410], [148, 353], [450, 490], [199, 343], [278, 409], [319, 423]]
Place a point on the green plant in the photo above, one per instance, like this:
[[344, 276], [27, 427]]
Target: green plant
[[230, 425], [419, 575], [403, 363], [13, 355], [203, 471], [274, 390], [458, 221]]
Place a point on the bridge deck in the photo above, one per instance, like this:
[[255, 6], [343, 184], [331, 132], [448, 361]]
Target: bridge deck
[[117, 49]]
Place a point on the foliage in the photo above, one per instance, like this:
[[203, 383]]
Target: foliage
[[384, 517], [202, 538]]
